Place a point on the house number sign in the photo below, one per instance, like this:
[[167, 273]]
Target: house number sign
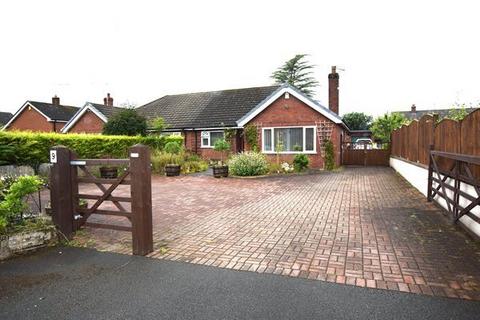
[[53, 156]]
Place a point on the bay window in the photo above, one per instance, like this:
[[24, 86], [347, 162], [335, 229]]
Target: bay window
[[289, 140]]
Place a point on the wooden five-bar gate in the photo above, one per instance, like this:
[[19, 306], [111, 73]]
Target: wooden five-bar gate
[[69, 215], [448, 171]]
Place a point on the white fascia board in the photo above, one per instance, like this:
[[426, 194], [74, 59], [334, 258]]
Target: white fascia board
[[79, 115], [281, 91], [19, 111]]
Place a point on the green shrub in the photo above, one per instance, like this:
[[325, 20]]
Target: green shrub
[[221, 146], [329, 155], [126, 122], [194, 166], [13, 205], [173, 138], [172, 147], [188, 163], [300, 162], [248, 164], [33, 148]]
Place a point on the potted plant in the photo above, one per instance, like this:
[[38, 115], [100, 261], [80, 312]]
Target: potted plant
[[221, 169], [108, 172], [172, 169]]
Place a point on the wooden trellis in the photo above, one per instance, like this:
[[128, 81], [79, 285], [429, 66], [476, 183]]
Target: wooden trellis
[[324, 133]]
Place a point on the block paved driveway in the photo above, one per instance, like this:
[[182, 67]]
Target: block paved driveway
[[361, 226]]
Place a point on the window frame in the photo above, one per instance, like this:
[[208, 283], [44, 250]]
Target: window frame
[[209, 146], [272, 140]]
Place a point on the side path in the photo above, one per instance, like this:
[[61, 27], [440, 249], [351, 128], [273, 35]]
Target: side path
[[73, 283]]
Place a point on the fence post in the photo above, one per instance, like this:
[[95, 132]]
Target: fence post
[[61, 197], [430, 174], [141, 194]]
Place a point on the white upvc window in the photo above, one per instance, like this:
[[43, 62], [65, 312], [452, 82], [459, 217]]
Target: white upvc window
[[289, 140], [210, 137]]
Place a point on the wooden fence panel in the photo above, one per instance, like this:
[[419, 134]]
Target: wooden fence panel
[[396, 143], [470, 137], [447, 139], [412, 148], [404, 141], [426, 125]]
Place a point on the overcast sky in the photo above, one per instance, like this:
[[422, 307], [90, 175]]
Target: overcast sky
[[394, 53]]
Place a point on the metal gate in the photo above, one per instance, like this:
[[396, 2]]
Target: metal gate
[[364, 154], [69, 214]]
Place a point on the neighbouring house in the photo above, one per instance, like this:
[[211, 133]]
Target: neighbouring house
[[281, 115], [4, 118], [41, 116], [413, 113], [91, 117]]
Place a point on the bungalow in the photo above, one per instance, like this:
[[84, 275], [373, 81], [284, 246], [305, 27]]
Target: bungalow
[[91, 117], [280, 115], [41, 116]]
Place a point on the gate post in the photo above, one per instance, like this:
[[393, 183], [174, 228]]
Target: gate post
[[61, 197], [430, 174], [141, 194]]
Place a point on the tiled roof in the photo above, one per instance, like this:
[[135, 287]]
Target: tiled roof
[[206, 109], [107, 111], [442, 113], [55, 112], [5, 117]]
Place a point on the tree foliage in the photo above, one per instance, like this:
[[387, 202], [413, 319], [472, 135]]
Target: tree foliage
[[298, 73], [457, 113], [127, 123], [383, 126], [357, 120], [157, 125]]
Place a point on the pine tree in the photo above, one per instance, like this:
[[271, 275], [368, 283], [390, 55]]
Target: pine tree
[[298, 73]]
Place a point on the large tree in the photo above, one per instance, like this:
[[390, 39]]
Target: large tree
[[126, 122], [383, 126], [298, 73], [357, 120]]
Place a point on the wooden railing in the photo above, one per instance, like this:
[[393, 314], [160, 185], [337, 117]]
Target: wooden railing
[[458, 172]]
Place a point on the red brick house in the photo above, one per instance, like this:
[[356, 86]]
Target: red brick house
[[279, 114], [41, 116], [91, 117]]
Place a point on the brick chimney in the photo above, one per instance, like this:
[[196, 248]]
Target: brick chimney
[[333, 90], [108, 100], [56, 100]]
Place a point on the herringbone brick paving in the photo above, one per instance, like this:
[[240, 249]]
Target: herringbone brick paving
[[360, 226]]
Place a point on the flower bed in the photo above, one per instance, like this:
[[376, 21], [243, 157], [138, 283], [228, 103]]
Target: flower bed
[[22, 228]]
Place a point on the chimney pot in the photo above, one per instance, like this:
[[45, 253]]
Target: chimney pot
[[55, 100], [108, 101], [333, 96], [414, 108]]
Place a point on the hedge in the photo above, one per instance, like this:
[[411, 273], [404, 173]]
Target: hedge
[[29, 148]]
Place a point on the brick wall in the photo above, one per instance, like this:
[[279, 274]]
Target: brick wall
[[293, 112], [206, 153], [89, 122], [30, 119]]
